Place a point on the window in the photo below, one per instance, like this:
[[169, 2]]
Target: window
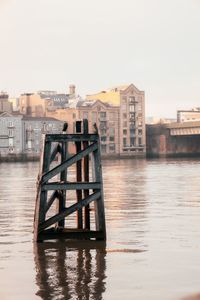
[[10, 133], [112, 138], [103, 148], [132, 108], [102, 115], [103, 138], [132, 141], [124, 131], [140, 141], [131, 99], [103, 131], [140, 131], [102, 125], [10, 124], [124, 142], [112, 148]]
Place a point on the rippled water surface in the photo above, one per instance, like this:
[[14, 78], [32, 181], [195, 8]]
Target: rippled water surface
[[153, 237]]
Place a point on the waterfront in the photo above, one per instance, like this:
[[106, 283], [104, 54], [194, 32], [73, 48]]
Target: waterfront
[[153, 244]]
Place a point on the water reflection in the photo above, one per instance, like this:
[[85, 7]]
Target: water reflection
[[70, 271]]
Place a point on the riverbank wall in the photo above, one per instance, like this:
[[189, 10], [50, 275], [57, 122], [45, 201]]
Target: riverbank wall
[[161, 144]]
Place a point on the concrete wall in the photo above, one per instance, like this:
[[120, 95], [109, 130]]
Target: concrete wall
[[161, 144]]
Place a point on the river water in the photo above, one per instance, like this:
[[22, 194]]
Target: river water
[[153, 237]]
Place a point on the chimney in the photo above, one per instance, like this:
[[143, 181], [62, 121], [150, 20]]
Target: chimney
[[72, 89]]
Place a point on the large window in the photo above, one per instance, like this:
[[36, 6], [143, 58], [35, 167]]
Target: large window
[[103, 148], [124, 142], [132, 141], [102, 115], [103, 138], [112, 148], [132, 108]]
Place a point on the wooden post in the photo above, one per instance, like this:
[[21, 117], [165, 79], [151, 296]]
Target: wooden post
[[99, 204], [79, 178], [86, 176]]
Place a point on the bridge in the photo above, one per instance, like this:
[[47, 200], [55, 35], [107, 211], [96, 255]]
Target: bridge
[[186, 128], [173, 139]]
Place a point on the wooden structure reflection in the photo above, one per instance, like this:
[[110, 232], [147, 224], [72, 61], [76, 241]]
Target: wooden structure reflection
[[70, 271]]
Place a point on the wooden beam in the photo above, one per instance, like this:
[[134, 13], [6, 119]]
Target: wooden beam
[[86, 176], [71, 137], [51, 233], [57, 149], [67, 163], [51, 200], [68, 211], [79, 176], [71, 186]]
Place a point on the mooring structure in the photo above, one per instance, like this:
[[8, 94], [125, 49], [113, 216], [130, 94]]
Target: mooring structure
[[69, 201]]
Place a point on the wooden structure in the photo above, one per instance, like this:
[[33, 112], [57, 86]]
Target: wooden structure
[[53, 187]]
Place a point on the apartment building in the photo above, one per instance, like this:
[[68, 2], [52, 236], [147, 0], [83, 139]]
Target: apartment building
[[131, 104], [106, 118]]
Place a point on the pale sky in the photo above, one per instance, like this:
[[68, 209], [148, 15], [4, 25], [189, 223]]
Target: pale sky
[[154, 44]]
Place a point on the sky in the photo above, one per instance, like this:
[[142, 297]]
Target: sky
[[154, 44]]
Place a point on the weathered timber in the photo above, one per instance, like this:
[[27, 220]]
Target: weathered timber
[[71, 137], [86, 169], [49, 225], [71, 186], [68, 211], [79, 177], [69, 162]]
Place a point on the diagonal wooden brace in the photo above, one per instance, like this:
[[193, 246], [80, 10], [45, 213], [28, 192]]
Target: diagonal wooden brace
[[67, 211], [67, 163]]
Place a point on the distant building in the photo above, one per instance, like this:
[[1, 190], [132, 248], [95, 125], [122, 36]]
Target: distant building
[[54, 100], [5, 105], [15, 103], [10, 134], [188, 115], [32, 130], [106, 117], [20, 136], [131, 103], [38, 104]]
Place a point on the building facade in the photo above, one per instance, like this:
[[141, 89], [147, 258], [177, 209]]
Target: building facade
[[20, 136], [131, 103], [10, 134], [106, 118], [32, 130]]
